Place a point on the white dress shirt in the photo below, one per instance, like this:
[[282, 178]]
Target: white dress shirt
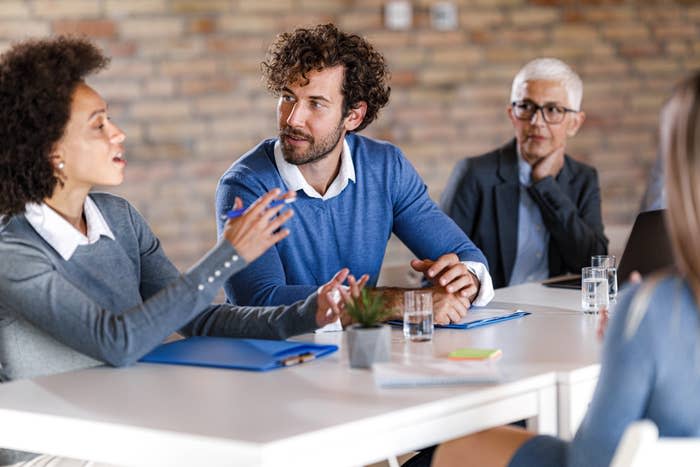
[[61, 235], [295, 180]]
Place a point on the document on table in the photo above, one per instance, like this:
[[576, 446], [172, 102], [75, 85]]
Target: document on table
[[477, 317], [435, 372], [483, 316]]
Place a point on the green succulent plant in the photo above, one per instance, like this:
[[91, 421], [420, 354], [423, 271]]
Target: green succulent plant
[[368, 310]]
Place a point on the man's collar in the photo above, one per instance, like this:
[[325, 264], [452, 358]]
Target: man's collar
[[63, 237], [295, 181]]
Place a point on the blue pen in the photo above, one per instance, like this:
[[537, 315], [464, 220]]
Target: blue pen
[[239, 212], [496, 319]]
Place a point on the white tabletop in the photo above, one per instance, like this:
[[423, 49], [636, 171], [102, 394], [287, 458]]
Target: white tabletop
[[319, 413], [540, 297], [306, 415]]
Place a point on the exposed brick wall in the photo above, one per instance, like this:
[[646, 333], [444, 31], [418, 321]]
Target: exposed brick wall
[[184, 84]]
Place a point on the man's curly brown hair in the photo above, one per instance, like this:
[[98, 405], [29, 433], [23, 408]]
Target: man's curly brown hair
[[37, 81], [293, 55]]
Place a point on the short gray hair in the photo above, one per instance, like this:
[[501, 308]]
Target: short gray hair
[[550, 69]]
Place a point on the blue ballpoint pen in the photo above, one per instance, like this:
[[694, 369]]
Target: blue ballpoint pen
[[239, 212], [496, 319]]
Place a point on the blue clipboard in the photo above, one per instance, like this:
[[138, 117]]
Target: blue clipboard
[[239, 354], [475, 323]]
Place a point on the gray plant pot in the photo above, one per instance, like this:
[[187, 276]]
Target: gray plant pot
[[368, 345]]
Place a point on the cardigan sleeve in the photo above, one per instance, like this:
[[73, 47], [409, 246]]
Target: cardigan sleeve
[[31, 286], [623, 390]]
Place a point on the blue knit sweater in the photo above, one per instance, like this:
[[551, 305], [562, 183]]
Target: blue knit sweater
[[349, 230]]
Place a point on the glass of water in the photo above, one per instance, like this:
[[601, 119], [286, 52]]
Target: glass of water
[[418, 315], [594, 289], [608, 262]]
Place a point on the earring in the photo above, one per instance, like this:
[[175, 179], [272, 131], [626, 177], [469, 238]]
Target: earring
[[61, 165]]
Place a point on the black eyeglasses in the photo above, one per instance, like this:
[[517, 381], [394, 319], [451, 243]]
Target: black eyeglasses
[[552, 113]]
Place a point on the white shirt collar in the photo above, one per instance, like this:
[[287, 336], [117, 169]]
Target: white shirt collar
[[295, 181], [63, 237]]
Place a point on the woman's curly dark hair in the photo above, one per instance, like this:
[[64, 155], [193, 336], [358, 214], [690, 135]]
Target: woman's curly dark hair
[[293, 55], [37, 81]]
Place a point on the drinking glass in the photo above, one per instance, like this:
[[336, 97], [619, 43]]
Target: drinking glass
[[608, 262], [418, 315], [594, 289]]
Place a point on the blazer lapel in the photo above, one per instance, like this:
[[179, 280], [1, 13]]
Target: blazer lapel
[[507, 197]]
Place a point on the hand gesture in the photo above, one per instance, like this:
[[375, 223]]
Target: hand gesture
[[450, 273], [448, 307], [333, 296], [258, 228], [455, 287]]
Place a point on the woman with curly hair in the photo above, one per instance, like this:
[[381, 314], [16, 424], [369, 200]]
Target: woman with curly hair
[[651, 357], [353, 192], [83, 279]]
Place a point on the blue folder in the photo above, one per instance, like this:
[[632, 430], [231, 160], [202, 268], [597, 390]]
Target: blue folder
[[475, 323], [240, 354]]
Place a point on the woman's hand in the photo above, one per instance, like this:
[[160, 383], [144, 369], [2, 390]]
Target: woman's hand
[[333, 296], [259, 227], [604, 315], [603, 318]]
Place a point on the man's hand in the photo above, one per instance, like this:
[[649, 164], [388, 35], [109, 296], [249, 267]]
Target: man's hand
[[451, 274], [548, 166], [448, 307], [455, 287]]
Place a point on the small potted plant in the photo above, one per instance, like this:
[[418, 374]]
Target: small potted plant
[[369, 340]]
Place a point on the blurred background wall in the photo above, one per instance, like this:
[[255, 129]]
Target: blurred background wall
[[185, 86]]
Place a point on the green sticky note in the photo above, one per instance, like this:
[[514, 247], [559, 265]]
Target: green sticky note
[[474, 354]]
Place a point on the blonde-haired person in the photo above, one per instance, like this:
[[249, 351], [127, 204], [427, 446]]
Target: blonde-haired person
[[83, 279], [651, 356]]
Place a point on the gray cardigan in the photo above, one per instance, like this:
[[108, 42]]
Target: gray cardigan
[[115, 300]]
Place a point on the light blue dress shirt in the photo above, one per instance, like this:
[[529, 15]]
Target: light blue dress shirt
[[532, 257]]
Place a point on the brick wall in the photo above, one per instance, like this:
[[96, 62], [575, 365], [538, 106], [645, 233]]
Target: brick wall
[[184, 84]]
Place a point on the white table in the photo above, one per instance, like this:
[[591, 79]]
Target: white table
[[317, 414], [539, 297], [577, 379]]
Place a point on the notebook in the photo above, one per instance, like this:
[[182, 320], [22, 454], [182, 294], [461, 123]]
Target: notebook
[[239, 354], [648, 249], [435, 372]]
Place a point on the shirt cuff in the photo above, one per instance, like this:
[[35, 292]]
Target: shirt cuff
[[335, 325], [486, 292]]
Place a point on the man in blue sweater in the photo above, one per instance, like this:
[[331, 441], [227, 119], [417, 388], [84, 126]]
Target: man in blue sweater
[[352, 191]]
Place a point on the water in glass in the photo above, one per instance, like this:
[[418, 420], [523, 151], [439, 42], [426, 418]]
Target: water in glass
[[418, 325]]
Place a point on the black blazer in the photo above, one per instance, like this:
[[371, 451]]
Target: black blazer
[[482, 197]]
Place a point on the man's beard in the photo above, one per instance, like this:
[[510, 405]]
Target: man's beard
[[315, 152]]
